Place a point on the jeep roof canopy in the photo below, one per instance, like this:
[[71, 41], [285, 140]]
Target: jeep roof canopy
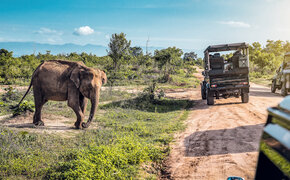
[[226, 47]]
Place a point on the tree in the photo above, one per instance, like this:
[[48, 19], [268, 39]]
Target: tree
[[168, 59], [286, 46], [136, 51], [189, 56], [28, 64], [275, 47], [9, 66], [119, 47], [145, 60], [199, 62], [266, 60]]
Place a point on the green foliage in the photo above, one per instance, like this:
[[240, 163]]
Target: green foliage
[[11, 94], [123, 65], [266, 60], [144, 103], [227, 56], [9, 67], [190, 70], [129, 65], [136, 51], [24, 107], [26, 154], [199, 62], [113, 95], [119, 48], [168, 59], [151, 91], [11, 98], [126, 139], [146, 60], [190, 57], [118, 160]]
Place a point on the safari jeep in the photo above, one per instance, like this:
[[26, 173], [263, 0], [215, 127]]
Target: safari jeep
[[282, 78], [226, 77]]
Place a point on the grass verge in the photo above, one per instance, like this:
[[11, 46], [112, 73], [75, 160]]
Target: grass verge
[[257, 78], [130, 142]]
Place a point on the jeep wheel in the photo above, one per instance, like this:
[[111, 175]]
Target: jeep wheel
[[283, 89], [273, 86], [203, 92], [245, 97], [210, 98]]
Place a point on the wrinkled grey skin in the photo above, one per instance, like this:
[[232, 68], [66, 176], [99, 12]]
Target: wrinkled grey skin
[[73, 82]]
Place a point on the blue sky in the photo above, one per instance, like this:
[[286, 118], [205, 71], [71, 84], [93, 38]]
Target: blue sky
[[187, 24]]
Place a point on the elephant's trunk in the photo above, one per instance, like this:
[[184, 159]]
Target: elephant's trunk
[[94, 103]]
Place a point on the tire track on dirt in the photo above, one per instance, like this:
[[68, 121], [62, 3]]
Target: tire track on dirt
[[220, 140]]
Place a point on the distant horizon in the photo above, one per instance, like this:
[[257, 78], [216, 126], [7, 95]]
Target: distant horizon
[[101, 52], [97, 52]]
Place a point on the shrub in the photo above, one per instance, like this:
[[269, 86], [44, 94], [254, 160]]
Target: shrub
[[11, 94], [118, 160], [24, 107]]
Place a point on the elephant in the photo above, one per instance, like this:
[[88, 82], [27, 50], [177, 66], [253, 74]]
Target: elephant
[[60, 80]]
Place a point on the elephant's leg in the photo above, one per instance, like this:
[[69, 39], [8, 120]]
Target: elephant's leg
[[39, 101], [83, 103], [74, 102], [78, 111]]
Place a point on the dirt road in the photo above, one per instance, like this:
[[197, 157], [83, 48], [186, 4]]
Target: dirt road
[[220, 140]]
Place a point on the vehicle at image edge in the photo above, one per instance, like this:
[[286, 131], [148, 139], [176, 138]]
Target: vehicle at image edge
[[226, 77], [281, 80], [274, 154]]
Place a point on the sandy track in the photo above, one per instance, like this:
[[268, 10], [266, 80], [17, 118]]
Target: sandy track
[[220, 140]]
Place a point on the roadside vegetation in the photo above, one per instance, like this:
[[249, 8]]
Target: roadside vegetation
[[131, 140], [133, 130], [124, 65], [264, 61]]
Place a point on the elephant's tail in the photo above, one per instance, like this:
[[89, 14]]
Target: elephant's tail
[[28, 87], [24, 94]]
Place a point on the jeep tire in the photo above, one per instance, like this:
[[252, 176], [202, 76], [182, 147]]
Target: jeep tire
[[273, 86], [209, 97], [203, 91], [245, 97], [283, 89]]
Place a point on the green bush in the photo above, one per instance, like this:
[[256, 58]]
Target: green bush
[[11, 94], [131, 133], [118, 160], [24, 107]]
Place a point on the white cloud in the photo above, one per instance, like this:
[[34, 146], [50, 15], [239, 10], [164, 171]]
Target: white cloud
[[51, 40], [235, 24], [44, 30], [83, 30]]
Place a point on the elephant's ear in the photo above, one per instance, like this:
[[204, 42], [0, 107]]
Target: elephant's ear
[[75, 76], [104, 77]]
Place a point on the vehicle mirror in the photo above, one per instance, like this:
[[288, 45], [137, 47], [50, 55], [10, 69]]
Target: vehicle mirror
[[235, 178]]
